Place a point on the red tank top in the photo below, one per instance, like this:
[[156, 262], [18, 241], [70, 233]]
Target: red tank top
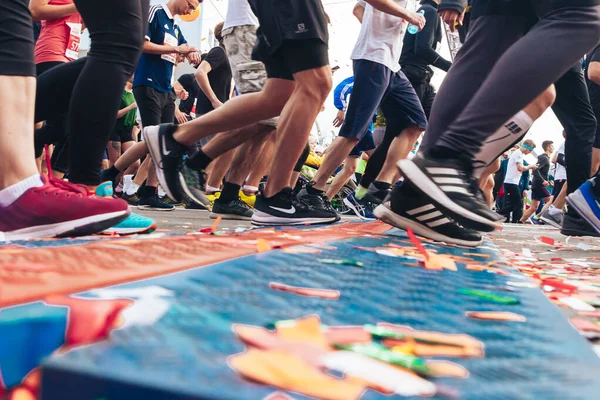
[[56, 36]]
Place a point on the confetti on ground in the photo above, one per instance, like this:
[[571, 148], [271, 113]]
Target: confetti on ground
[[496, 316], [489, 296], [311, 292], [547, 240], [263, 245], [352, 263]]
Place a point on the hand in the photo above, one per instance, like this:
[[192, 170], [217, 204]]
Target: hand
[[183, 95], [185, 49], [182, 118], [216, 103], [194, 58], [451, 17], [546, 183], [339, 119], [417, 19]]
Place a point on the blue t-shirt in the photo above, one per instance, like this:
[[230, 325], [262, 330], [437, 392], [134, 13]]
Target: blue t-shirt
[[156, 70]]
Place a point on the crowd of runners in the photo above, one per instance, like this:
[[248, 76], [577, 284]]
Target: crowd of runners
[[119, 132]]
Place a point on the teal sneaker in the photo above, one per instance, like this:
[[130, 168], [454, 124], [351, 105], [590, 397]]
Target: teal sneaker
[[135, 223]]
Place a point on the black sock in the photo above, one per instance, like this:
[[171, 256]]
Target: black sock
[[381, 185], [199, 162], [229, 193], [311, 190], [112, 173], [150, 191]]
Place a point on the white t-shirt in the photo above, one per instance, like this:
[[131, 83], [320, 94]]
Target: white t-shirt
[[380, 38], [512, 173], [561, 172], [239, 13]]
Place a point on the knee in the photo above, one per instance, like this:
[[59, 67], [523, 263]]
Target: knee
[[546, 99], [317, 85], [350, 168]]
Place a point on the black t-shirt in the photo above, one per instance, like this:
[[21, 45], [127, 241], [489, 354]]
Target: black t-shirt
[[189, 83], [594, 89], [219, 78], [541, 173]]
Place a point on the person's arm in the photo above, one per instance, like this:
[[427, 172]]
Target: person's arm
[[153, 48], [425, 42], [41, 10], [359, 11], [389, 7], [123, 111], [212, 60], [453, 12]]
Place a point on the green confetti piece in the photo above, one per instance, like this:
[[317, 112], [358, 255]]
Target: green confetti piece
[[380, 332], [489, 296], [382, 353], [352, 263]]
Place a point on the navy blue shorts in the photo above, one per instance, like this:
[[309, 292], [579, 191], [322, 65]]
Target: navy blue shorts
[[539, 193], [366, 143], [376, 85]]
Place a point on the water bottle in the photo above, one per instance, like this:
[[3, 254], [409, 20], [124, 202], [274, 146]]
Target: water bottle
[[412, 29]]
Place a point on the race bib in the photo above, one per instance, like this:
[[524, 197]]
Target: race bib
[[170, 40], [72, 51]]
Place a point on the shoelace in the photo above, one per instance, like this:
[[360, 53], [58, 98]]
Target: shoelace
[[299, 204], [59, 186]]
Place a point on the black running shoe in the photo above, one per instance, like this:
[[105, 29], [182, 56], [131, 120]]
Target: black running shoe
[[285, 209], [577, 226], [406, 207], [235, 209], [193, 183], [167, 155], [376, 196], [448, 183], [319, 202], [153, 203]]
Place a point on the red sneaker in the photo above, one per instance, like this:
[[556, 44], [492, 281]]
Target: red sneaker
[[59, 208]]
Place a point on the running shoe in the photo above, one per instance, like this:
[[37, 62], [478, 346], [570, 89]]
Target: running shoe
[[376, 196], [587, 203], [286, 209], [235, 209], [60, 208], [153, 203], [249, 200], [193, 184], [555, 220], [448, 184], [168, 157], [318, 202], [213, 197], [131, 199], [574, 225], [135, 223], [361, 208], [405, 207]]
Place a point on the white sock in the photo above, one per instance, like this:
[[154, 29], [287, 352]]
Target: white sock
[[161, 192], [554, 210], [129, 186], [249, 189], [12, 193], [212, 189], [509, 133]]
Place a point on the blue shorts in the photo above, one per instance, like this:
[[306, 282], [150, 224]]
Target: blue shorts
[[376, 85], [366, 143]]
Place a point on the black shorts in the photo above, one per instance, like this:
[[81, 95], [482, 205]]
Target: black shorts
[[295, 56], [539, 193], [155, 107], [122, 135], [16, 38], [558, 185]]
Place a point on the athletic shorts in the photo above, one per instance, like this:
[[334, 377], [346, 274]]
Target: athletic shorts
[[367, 143], [16, 38], [539, 193], [558, 185], [375, 85], [249, 76], [123, 135], [295, 56]]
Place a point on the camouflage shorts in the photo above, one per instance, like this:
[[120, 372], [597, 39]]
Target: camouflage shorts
[[249, 75]]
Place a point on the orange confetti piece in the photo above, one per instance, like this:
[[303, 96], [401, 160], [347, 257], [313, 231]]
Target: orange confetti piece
[[439, 262], [496, 316], [311, 292], [415, 242], [215, 224], [300, 250], [263, 245]]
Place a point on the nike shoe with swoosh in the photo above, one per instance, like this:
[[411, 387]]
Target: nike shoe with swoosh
[[167, 155], [286, 209]]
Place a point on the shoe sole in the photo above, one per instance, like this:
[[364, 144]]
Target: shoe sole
[[131, 231], [354, 209], [578, 202], [150, 208], [151, 140], [391, 218], [551, 222], [236, 217], [264, 219], [205, 203], [79, 227], [431, 190]]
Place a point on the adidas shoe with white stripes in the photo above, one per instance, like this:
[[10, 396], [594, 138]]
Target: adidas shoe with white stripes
[[450, 187], [406, 207]]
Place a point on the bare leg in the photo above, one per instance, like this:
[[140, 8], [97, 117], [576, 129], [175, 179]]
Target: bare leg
[[294, 178], [114, 152], [264, 162], [595, 161], [486, 181], [336, 154], [547, 204], [528, 213], [246, 156], [297, 118], [133, 154], [350, 165], [399, 149], [219, 168], [142, 172], [561, 200]]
